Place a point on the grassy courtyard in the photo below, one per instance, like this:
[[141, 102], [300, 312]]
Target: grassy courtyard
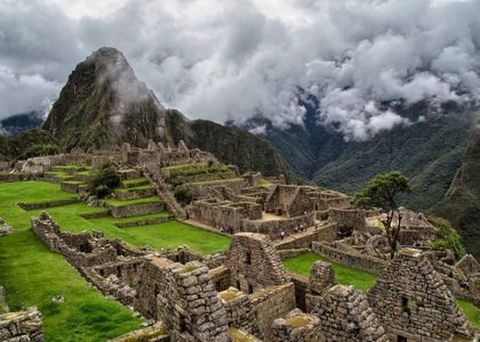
[[471, 311], [32, 275], [344, 275]]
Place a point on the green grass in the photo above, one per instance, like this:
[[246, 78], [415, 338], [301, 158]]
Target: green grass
[[135, 181], [344, 275], [119, 203], [132, 189], [471, 311], [31, 275]]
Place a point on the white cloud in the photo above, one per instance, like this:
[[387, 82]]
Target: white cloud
[[233, 59]]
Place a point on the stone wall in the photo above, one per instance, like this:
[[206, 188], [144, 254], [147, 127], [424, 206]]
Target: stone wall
[[274, 228], [301, 288], [48, 204], [296, 327], [240, 311], [3, 301], [271, 303], [351, 218], [346, 316], [326, 233], [222, 213], [254, 263], [136, 209], [355, 260], [289, 201], [21, 326], [220, 277], [412, 301]]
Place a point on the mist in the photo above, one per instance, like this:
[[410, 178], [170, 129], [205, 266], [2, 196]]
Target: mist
[[232, 60]]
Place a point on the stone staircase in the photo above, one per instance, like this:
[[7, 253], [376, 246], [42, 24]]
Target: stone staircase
[[153, 175]]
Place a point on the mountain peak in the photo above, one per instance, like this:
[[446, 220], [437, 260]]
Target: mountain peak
[[104, 102]]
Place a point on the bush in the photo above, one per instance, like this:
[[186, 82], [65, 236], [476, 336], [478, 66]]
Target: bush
[[448, 237], [183, 194], [104, 181]]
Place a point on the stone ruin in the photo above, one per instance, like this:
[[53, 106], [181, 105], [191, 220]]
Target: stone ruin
[[5, 229], [21, 326], [252, 295], [413, 303]]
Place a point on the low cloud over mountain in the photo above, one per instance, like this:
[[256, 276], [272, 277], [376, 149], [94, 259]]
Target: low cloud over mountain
[[231, 60]]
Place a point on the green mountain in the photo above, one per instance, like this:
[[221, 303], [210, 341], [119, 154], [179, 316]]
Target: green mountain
[[428, 151], [103, 103], [461, 205]]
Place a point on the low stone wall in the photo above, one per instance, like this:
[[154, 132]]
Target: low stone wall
[[71, 187], [220, 277], [271, 303], [134, 194], [137, 209], [274, 228], [12, 177], [323, 233], [291, 253], [49, 204], [360, 261], [99, 214], [146, 222], [3, 301], [239, 310], [21, 326], [154, 333], [301, 288]]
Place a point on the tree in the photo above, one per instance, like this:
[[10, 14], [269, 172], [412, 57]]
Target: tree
[[104, 181], [382, 192]]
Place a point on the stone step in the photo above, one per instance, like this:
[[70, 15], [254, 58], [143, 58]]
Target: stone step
[[129, 174], [134, 193], [134, 183], [72, 186], [136, 209], [145, 222]]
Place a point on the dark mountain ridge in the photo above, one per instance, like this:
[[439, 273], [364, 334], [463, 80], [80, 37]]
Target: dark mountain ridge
[[103, 103]]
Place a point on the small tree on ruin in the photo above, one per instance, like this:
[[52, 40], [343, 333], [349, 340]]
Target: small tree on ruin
[[382, 192]]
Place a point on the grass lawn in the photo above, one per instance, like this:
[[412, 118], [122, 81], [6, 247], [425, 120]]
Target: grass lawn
[[344, 275], [120, 203], [471, 311], [31, 275]]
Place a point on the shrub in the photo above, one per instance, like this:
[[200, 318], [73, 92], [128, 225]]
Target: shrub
[[448, 237], [104, 181], [183, 194]]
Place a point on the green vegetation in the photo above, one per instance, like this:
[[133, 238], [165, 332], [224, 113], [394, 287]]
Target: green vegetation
[[27, 144], [382, 191], [119, 203], [32, 275], [104, 181], [448, 238], [461, 205], [471, 311], [345, 275]]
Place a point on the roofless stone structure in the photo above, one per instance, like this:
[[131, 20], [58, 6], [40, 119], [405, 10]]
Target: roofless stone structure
[[413, 303]]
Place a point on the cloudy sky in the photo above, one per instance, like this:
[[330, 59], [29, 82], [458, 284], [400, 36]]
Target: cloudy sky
[[232, 59]]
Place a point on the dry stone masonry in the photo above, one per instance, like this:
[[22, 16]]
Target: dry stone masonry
[[413, 302]]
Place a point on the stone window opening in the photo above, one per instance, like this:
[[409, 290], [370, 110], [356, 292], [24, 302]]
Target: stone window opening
[[401, 339], [250, 289], [119, 272], [406, 305], [238, 285], [248, 258], [182, 324]]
